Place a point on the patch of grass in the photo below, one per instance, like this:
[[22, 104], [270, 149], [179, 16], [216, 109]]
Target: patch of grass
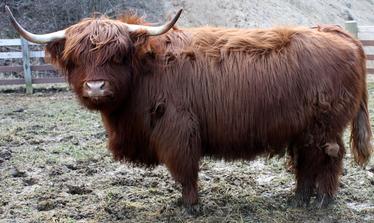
[[58, 144]]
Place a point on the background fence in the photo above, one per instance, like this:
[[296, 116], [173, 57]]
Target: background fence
[[364, 33], [26, 68]]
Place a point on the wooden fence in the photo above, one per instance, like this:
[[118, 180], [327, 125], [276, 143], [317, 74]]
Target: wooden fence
[[25, 54], [364, 33]]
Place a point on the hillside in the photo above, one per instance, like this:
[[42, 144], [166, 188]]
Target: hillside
[[258, 13], [46, 15]]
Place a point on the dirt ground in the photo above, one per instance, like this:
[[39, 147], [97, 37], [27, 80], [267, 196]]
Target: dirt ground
[[54, 167]]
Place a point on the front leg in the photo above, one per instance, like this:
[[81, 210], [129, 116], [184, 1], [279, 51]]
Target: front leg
[[176, 141]]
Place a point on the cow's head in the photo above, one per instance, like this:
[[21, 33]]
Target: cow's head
[[96, 55]]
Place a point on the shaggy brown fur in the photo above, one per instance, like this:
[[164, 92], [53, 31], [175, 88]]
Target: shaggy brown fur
[[225, 93]]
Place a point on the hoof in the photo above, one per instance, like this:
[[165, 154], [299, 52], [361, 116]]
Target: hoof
[[194, 210], [191, 209], [179, 202], [323, 201], [299, 202]]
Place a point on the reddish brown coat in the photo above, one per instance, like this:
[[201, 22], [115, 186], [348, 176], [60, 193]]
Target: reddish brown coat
[[225, 93]]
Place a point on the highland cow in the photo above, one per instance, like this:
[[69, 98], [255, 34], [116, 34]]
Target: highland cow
[[171, 95]]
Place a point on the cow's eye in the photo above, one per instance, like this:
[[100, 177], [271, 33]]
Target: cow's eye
[[118, 60], [70, 63]]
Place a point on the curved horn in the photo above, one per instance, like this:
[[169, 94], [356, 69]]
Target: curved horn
[[35, 38], [156, 30]]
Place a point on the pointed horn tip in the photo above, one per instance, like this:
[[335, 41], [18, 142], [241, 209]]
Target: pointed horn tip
[[10, 14], [178, 13], [44, 38], [171, 22], [7, 9], [175, 19]]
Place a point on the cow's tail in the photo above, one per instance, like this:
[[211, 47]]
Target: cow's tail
[[361, 131]]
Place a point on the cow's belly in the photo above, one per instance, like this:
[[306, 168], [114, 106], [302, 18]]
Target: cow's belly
[[245, 137]]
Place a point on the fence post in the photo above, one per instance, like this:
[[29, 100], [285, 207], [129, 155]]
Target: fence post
[[352, 27], [26, 65]]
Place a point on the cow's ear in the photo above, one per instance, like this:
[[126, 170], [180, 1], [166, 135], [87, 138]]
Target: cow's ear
[[55, 50], [143, 46], [139, 38]]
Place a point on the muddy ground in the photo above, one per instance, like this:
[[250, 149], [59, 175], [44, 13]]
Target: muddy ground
[[54, 167]]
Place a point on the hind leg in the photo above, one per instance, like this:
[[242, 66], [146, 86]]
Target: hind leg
[[331, 168], [305, 176], [317, 160]]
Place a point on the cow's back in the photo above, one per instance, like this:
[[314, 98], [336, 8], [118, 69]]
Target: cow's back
[[254, 94], [258, 99]]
